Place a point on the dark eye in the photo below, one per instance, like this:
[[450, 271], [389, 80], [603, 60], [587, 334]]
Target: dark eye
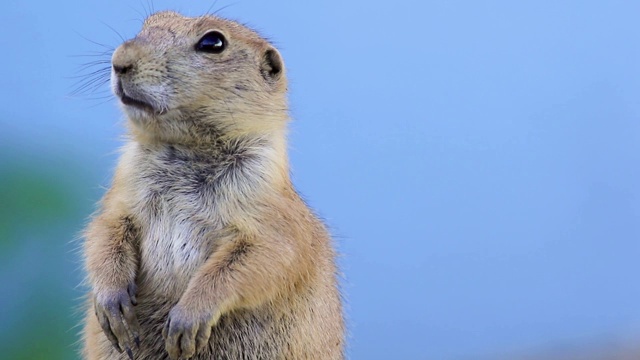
[[212, 42]]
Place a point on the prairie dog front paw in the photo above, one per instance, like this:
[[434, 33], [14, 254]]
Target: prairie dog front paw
[[187, 332], [116, 315]]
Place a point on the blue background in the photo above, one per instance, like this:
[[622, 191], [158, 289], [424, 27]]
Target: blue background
[[477, 161]]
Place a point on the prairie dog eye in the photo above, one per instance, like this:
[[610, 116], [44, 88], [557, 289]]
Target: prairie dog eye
[[212, 42]]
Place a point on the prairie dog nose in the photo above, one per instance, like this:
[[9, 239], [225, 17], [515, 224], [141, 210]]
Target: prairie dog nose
[[121, 70], [125, 57]]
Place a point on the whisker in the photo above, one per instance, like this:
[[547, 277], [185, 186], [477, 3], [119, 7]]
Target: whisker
[[94, 75], [89, 86], [141, 21], [91, 76], [139, 13], [148, 8], [106, 96], [224, 7], [114, 30], [85, 67], [96, 43], [101, 103], [93, 54], [208, 12]]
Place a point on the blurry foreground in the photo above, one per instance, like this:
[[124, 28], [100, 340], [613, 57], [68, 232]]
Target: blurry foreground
[[43, 204]]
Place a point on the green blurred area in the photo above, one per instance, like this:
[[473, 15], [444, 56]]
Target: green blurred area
[[43, 205]]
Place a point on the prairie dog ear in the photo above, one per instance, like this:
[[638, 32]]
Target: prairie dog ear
[[271, 66]]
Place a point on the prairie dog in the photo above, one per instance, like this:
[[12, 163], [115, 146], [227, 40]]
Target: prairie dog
[[201, 248]]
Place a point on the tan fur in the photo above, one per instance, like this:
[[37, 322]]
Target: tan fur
[[202, 235]]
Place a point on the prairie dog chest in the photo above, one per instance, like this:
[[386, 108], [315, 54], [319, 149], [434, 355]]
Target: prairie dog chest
[[182, 200]]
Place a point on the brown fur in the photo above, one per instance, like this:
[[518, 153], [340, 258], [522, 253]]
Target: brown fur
[[202, 248]]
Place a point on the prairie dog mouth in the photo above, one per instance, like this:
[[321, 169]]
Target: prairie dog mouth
[[130, 101]]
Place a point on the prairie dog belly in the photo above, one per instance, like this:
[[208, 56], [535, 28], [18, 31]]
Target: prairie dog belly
[[171, 251]]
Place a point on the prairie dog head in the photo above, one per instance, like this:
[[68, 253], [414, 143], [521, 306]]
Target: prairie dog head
[[183, 79]]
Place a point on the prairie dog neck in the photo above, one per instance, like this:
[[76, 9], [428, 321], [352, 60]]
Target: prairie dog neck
[[254, 158], [207, 131]]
